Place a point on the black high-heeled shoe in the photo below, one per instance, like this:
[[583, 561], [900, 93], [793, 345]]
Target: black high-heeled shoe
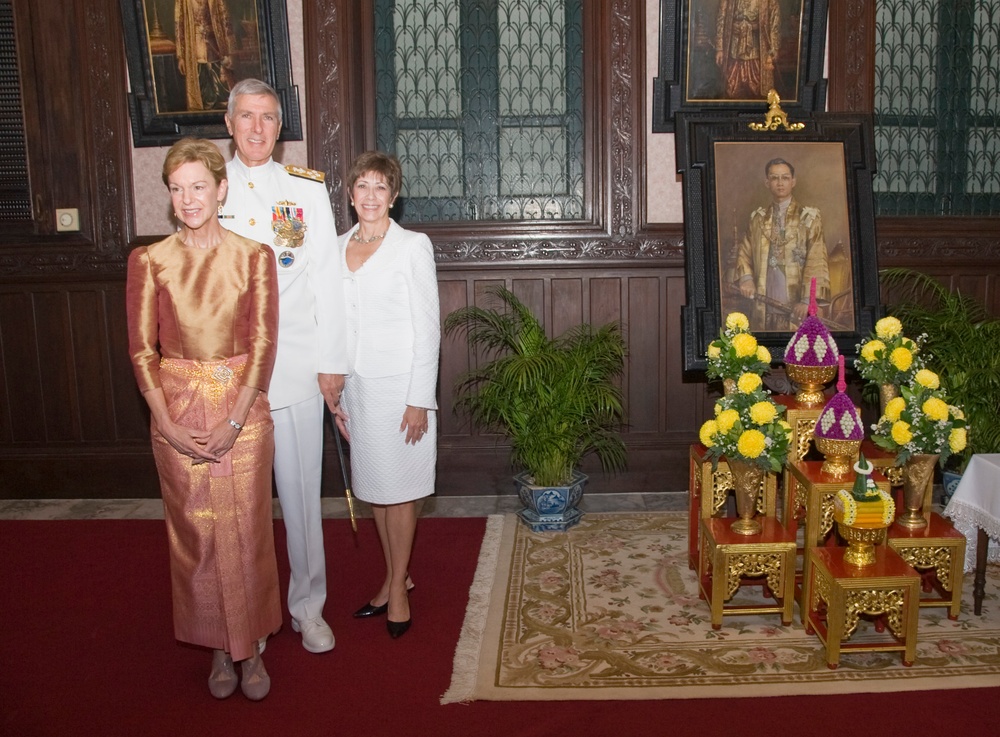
[[370, 610], [397, 629]]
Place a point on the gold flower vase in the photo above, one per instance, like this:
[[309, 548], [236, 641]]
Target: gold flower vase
[[747, 481], [918, 473], [811, 381], [839, 455], [886, 392], [861, 542]]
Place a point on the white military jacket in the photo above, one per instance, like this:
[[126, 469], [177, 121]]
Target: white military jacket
[[269, 204]]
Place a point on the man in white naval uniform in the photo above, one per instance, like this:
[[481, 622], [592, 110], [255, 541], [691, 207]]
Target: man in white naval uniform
[[288, 209]]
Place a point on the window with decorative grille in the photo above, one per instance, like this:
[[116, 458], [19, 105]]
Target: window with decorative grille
[[15, 190], [937, 75], [483, 104]]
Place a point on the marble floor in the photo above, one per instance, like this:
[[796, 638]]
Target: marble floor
[[335, 508]]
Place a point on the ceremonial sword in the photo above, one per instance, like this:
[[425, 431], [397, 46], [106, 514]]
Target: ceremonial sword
[[343, 469]]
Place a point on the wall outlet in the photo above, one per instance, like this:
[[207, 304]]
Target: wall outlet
[[67, 219]]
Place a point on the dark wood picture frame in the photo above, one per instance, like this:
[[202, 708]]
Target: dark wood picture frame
[[839, 148], [689, 79], [159, 106]]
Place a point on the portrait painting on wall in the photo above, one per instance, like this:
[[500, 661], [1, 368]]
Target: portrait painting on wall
[[783, 221], [732, 53], [185, 56], [767, 214]]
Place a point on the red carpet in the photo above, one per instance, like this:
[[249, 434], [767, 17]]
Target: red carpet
[[87, 649]]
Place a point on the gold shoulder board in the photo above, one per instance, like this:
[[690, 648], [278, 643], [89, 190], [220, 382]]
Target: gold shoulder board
[[301, 171]]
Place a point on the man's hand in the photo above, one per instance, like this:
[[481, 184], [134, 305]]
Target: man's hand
[[331, 385], [747, 288], [800, 311]]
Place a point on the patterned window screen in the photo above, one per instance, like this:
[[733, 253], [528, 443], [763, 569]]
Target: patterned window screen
[[482, 101], [15, 191], [937, 129]]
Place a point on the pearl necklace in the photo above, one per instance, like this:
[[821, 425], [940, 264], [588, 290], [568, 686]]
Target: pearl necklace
[[357, 237]]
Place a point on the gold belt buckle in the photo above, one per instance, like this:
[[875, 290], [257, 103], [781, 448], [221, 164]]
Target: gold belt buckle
[[222, 374]]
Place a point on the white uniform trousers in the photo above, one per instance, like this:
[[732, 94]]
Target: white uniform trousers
[[298, 465]]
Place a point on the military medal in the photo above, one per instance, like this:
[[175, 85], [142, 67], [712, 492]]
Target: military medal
[[288, 225], [286, 258]]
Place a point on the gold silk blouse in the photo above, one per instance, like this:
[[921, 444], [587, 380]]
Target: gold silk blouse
[[204, 305]]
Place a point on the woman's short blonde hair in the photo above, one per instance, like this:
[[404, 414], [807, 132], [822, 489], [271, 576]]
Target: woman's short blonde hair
[[187, 150], [378, 163]]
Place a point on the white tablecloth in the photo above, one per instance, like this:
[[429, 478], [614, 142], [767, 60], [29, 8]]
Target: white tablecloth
[[976, 504]]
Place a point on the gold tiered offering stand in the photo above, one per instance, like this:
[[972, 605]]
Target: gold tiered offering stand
[[811, 380]]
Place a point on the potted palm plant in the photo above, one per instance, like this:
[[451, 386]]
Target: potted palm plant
[[554, 399], [960, 340]]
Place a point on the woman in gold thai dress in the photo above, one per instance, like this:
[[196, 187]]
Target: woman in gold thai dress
[[202, 322]]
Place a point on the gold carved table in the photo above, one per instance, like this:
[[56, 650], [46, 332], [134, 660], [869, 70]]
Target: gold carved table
[[809, 491], [802, 418], [938, 549], [708, 491], [841, 593], [728, 559]]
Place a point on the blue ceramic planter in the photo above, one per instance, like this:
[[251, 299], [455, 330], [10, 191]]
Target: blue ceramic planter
[[550, 508], [949, 482]]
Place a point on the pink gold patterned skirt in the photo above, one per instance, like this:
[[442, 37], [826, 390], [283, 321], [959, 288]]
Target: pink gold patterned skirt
[[223, 571]]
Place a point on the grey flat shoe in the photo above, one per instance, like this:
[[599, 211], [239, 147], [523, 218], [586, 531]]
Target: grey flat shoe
[[256, 683], [222, 680]]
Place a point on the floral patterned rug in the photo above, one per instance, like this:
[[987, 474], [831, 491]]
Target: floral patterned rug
[[610, 610]]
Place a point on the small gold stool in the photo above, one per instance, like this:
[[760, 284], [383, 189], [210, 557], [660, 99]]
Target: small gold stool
[[728, 558], [708, 491], [840, 593], [938, 552], [802, 418]]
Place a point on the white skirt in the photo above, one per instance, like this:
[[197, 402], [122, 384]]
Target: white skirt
[[384, 469]]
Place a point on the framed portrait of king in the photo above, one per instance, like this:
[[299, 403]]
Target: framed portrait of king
[[767, 214], [729, 54], [185, 55]]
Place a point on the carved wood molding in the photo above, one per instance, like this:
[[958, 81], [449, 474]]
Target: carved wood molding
[[907, 250], [334, 119], [852, 56]]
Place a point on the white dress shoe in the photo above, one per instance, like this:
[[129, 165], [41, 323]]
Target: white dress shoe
[[317, 637]]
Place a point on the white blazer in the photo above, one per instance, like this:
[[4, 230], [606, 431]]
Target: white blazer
[[310, 324], [393, 315]]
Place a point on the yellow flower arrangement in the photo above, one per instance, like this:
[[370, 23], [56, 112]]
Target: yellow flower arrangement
[[927, 378], [888, 356], [751, 443], [957, 439], [726, 419], [736, 351], [901, 358], [894, 408], [921, 421], [749, 383], [888, 328], [748, 425], [763, 412], [935, 408]]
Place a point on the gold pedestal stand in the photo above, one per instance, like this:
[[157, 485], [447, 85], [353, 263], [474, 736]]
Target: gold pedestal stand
[[861, 542], [839, 454], [811, 380]]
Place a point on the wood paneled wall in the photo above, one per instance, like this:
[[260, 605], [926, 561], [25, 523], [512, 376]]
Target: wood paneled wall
[[72, 423]]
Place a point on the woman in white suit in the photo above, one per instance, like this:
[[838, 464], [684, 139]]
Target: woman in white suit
[[389, 402]]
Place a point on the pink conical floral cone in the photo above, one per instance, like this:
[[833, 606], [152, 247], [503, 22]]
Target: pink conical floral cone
[[840, 419], [812, 344]]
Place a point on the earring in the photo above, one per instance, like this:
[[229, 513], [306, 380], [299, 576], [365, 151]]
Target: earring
[[220, 209]]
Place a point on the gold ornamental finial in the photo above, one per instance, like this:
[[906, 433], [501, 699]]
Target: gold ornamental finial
[[775, 117]]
